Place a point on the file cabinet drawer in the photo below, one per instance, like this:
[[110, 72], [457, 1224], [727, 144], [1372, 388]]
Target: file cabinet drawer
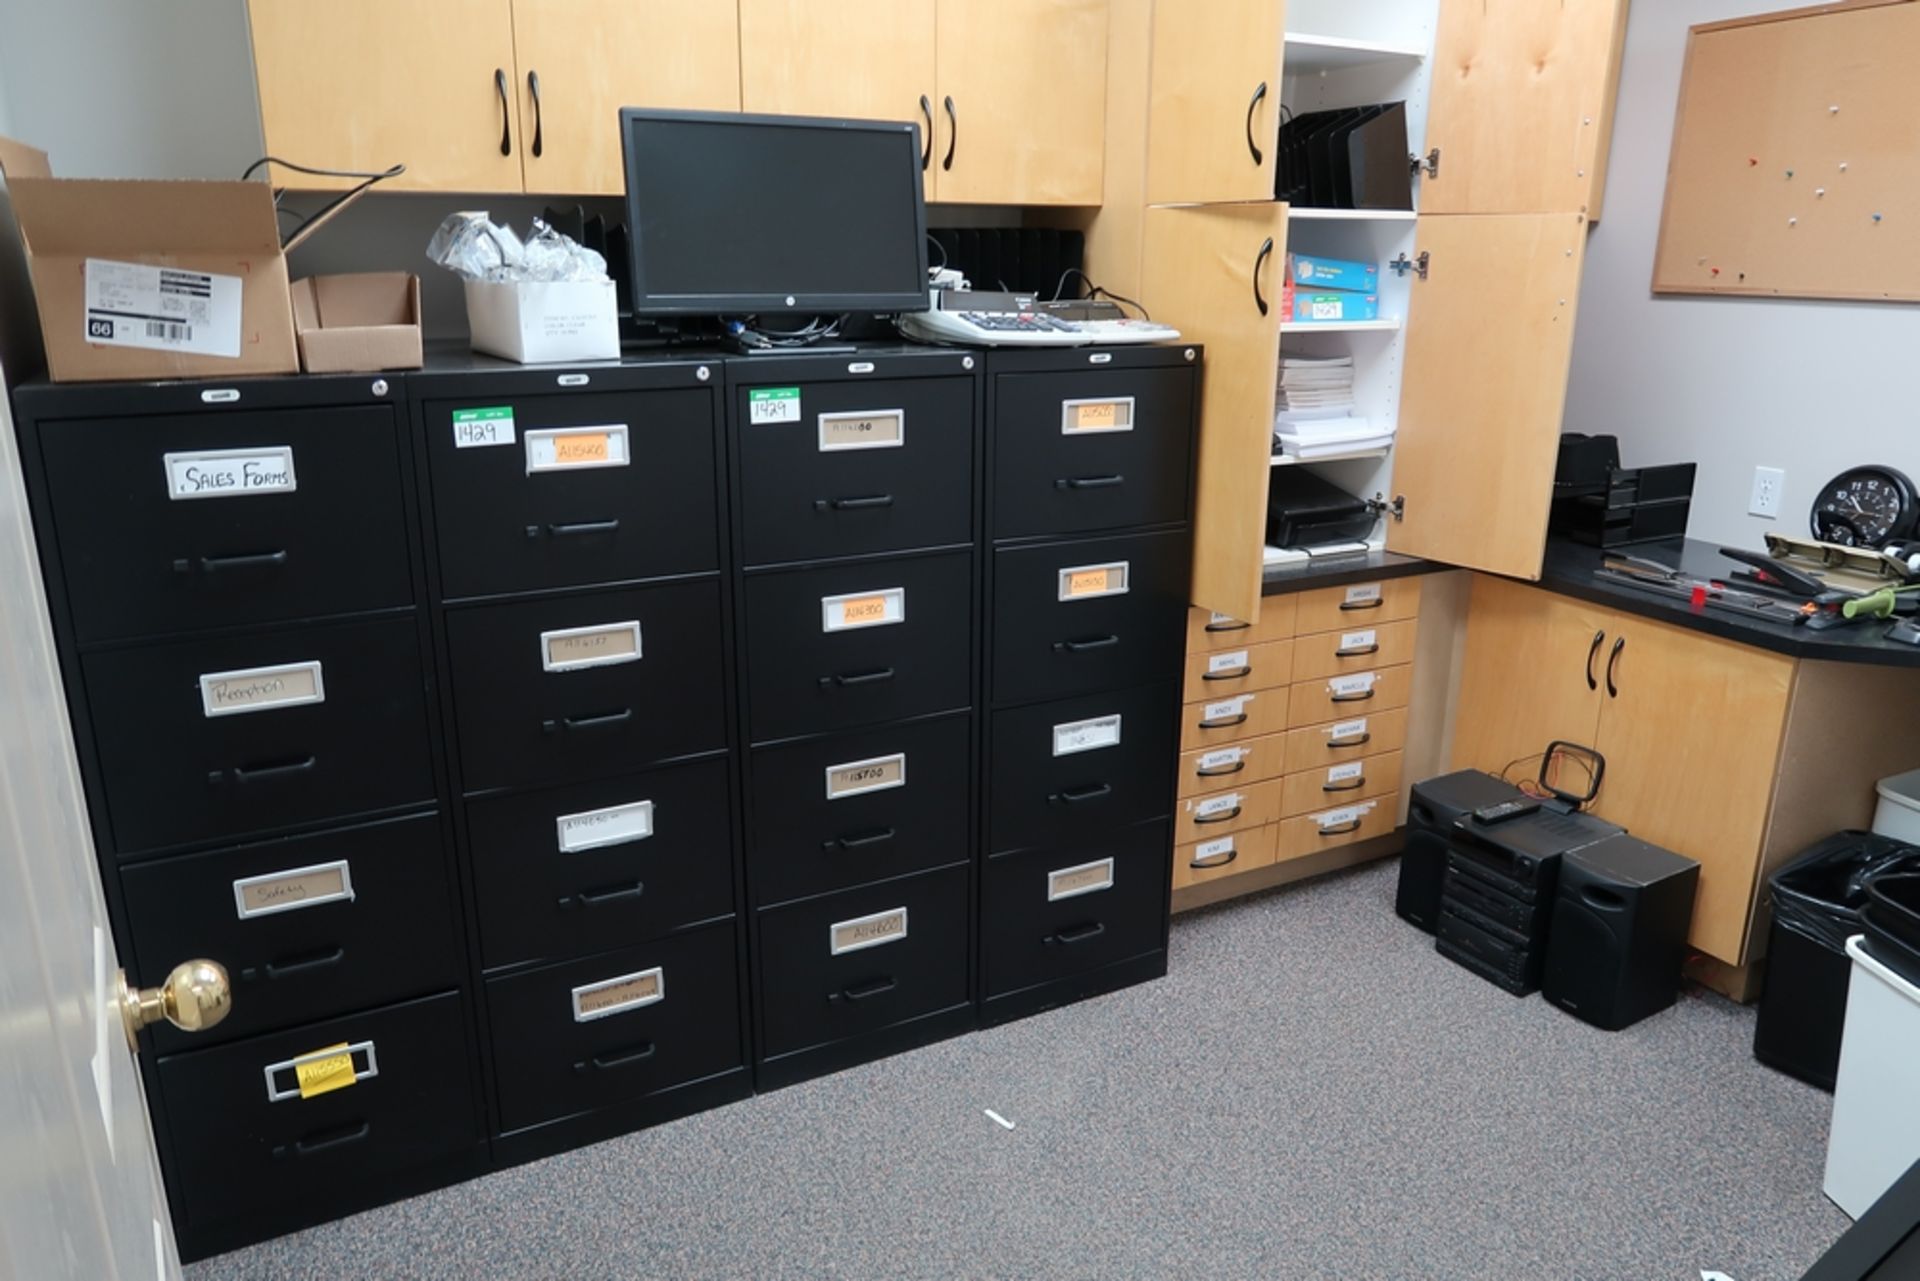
[[832, 812], [583, 1035], [1234, 810], [1317, 746], [1070, 618], [856, 961], [174, 523], [1328, 829], [1357, 605], [1353, 649], [1333, 784], [1337, 698], [1221, 673], [1217, 857], [1231, 719], [586, 686], [573, 870], [858, 467], [1254, 760], [1050, 913], [308, 928], [1209, 630], [570, 490], [210, 739], [1063, 768], [1103, 449], [857, 644], [246, 1142]]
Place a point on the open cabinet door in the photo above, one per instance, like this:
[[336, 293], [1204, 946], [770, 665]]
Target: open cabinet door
[[1489, 342], [1214, 272], [1215, 110]]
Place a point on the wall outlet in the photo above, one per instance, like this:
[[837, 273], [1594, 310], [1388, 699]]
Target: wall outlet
[[1767, 484]]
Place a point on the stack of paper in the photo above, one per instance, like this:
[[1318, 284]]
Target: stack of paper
[[1317, 384], [1313, 410]]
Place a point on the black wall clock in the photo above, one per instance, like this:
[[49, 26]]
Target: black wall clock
[[1865, 507]]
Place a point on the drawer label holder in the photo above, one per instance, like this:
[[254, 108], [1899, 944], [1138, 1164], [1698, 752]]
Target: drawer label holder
[[881, 607], [1364, 596], [1229, 665], [572, 649], [596, 829], [1351, 733], [1352, 689], [618, 995], [875, 930], [1091, 416], [577, 448], [322, 1071], [863, 429], [1355, 644], [1345, 819], [261, 689], [293, 889], [1226, 713], [1224, 760], [1346, 778], [1218, 809], [1083, 878], [1087, 582], [1217, 852], [230, 473], [876, 774], [1089, 735]]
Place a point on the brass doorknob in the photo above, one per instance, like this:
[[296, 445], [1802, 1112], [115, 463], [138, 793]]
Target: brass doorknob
[[195, 996]]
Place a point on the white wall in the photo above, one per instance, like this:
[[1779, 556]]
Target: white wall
[[1811, 387]]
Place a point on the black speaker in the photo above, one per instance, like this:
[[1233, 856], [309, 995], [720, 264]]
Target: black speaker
[[1436, 804], [1619, 932]]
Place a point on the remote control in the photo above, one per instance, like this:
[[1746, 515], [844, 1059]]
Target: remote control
[[1504, 810]]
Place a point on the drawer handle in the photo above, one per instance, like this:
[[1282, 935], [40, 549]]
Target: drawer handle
[[280, 769], [1357, 651], [258, 560], [1222, 817], [286, 969], [860, 840], [872, 988], [859, 678], [1358, 696], [1079, 934], [1220, 771], [1074, 795], [1228, 673], [1351, 740], [1215, 860], [1352, 825], [1089, 482], [506, 121], [1344, 787], [864, 503], [600, 720], [1348, 606], [1082, 646], [578, 528], [616, 1058], [1230, 625], [1225, 722], [325, 1140], [614, 894]]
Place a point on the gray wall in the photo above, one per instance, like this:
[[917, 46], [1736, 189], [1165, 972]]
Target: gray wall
[[1811, 387]]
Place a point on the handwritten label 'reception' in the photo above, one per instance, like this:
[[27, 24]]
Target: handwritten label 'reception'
[[261, 689], [292, 889], [230, 473]]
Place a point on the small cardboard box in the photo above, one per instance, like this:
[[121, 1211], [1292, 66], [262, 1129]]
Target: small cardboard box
[[538, 321], [1315, 272], [362, 322], [1334, 308]]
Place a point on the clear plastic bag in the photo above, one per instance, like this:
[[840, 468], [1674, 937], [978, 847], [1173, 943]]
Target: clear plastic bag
[[474, 247]]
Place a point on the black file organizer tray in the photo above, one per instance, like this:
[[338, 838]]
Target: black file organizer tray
[[1635, 505]]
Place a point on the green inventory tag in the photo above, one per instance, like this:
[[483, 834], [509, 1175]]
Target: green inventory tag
[[773, 405], [473, 428]]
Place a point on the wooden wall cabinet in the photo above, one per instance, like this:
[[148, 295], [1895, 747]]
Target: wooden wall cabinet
[[1215, 108]]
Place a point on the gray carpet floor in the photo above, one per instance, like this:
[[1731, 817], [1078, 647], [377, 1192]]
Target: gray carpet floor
[[1311, 1093]]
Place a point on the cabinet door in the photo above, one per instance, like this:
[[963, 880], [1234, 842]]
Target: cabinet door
[[583, 60], [364, 84], [1522, 106], [1691, 728], [1489, 341], [1532, 676], [1023, 101], [861, 59], [1215, 100], [1215, 272]]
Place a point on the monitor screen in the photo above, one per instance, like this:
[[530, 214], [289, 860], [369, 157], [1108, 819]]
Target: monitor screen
[[744, 214]]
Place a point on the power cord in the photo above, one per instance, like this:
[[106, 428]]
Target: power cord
[[368, 179], [1095, 291]]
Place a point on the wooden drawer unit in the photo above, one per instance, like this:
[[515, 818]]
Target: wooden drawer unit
[[1327, 785], [1055, 769], [568, 871], [1215, 674], [1208, 630], [1326, 829], [1050, 913], [1253, 760], [1216, 857], [1354, 649], [852, 468], [1212, 722], [1356, 605], [1073, 617], [623, 1025], [1369, 734], [1233, 810], [1344, 697]]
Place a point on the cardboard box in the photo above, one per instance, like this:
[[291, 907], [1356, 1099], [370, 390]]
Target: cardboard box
[[363, 322], [537, 321], [1314, 272], [1335, 308]]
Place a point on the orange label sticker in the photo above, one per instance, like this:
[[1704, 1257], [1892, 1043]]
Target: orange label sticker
[[580, 449], [323, 1075], [863, 609], [1087, 582]]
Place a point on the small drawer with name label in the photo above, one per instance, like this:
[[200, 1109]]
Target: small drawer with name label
[[1355, 649], [586, 1034], [1050, 913], [1231, 719], [1338, 698], [534, 492], [1349, 608], [1253, 760], [1061, 769], [189, 521], [1069, 618], [857, 643], [854, 467], [1218, 673], [1209, 629], [827, 813], [1314, 789], [217, 738], [1326, 829], [566, 871], [861, 959], [1317, 746], [1233, 810], [587, 685], [307, 928], [1215, 858]]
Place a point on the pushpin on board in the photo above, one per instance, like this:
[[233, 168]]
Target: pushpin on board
[[1843, 166], [1876, 217], [1753, 160], [1818, 192], [1789, 173], [1715, 270], [1793, 222]]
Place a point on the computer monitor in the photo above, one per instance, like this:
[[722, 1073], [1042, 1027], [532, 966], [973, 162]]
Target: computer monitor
[[735, 214]]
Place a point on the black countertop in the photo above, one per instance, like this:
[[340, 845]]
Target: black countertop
[[1570, 570], [1279, 580]]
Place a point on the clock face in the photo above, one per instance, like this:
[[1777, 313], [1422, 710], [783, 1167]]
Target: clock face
[[1865, 507]]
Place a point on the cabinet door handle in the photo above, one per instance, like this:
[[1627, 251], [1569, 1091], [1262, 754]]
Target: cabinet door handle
[[1358, 651], [326, 1139], [862, 503], [1214, 860], [1229, 625], [1345, 787], [1613, 657], [280, 769], [1359, 697], [1352, 740], [1089, 482], [1342, 829], [859, 678], [1225, 722], [1079, 934], [926, 153], [1593, 651], [600, 720], [615, 894], [578, 528], [1074, 795], [506, 112], [1220, 771], [859, 840], [286, 969], [1259, 261], [616, 1058], [1223, 817], [533, 86], [953, 133], [873, 987], [1349, 606], [1258, 94], [1082, 646], [1228, 673], [259, 560]]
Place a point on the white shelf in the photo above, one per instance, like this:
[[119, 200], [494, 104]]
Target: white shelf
[[1388, 325], [1297, 214], [1309, 55], [1288, 460]]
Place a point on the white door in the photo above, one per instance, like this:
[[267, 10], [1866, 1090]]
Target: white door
[[83, 1198]]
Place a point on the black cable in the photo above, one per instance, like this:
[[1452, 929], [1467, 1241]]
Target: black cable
[[1096, 291], [942, 248], [367, 177]]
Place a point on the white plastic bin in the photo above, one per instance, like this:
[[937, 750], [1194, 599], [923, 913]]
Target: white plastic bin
[[1898, 813], [1876, 1099]]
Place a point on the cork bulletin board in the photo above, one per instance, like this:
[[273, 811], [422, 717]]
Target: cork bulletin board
[[1796, 157]]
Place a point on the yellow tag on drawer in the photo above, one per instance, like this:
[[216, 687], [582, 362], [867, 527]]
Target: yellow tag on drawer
[[1088, 581], [583, 448], [323, 1075]]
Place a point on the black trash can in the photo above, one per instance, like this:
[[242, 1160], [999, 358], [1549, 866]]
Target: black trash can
[[1892, 918], [1817, 900]]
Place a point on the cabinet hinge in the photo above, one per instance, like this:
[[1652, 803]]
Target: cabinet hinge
[[1431, 163], [1403, 264], [1397, 508]]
